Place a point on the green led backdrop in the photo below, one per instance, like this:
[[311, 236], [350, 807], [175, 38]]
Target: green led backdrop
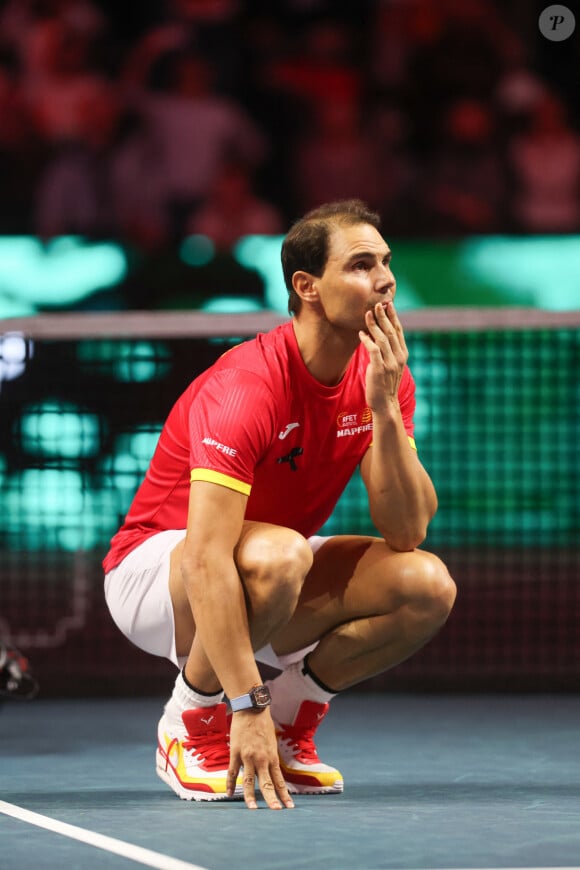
[[497, 425], [72, 273]]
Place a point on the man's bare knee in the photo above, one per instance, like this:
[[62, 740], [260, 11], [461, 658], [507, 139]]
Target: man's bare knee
[[273, 568], [433, 589]]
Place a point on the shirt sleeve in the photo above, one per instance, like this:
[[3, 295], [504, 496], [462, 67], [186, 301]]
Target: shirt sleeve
[[231, 423]]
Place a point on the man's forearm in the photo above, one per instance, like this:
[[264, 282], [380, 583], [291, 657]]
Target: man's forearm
[[219, 610], [402, 498]]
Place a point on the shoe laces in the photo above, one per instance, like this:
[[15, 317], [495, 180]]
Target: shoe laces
[[212, 747], [302, 742]]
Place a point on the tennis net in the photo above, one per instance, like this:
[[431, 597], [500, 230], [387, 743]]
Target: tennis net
[[497, 426]]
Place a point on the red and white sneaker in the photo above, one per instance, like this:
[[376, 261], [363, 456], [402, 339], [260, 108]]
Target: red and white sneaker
[[194, 762], [303, 770]]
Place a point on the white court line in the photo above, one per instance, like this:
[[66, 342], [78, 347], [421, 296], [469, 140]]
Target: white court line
[[138, 853], [100, 841]]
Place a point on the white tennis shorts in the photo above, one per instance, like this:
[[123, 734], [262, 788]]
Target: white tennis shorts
[[137, 595]]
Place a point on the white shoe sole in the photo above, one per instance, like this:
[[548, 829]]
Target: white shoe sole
[[167, 774]]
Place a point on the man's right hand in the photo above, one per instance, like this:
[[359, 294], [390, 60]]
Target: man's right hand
[[253, 746]]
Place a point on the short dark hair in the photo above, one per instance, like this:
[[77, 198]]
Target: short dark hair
[[305, 247]]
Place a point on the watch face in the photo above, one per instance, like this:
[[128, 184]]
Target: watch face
[[261, 696]]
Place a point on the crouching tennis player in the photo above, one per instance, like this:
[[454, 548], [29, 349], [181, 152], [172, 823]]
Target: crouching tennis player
[[218, 564]]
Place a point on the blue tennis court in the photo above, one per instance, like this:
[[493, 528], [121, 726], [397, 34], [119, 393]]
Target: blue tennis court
[[431, 781]]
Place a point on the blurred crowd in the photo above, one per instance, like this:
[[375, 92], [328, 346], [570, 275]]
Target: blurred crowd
[[151, 121]]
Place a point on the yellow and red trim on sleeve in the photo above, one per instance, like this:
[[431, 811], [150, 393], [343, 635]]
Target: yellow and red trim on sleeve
[[209, 476]]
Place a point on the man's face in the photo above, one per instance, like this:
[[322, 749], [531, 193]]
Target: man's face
[[356, 277]]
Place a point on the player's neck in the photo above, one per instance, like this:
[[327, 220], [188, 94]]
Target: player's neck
[[326, 352]]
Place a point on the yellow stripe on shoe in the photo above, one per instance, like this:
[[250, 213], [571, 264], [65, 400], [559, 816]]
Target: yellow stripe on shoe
[[194, 763]]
